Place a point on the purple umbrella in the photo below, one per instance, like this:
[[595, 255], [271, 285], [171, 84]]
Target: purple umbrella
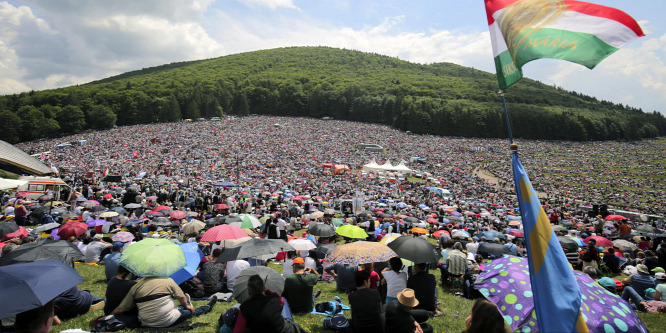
[[123, 237], [506, 282], [95, 223], [54, 233]]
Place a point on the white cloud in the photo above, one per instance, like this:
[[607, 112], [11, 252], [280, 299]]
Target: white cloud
[[271, 4]]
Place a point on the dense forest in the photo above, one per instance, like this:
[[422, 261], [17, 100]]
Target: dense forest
[[441, 98]]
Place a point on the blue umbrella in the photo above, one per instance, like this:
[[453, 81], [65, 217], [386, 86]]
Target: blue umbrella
[[492, 234], [226, 184], [26, 286], [135, 222], [193, 257]]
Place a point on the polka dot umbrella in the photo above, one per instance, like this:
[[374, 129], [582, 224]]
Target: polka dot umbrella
[[506, 282]]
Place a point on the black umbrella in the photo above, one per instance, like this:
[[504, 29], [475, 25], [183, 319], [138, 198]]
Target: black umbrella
[[273, 281], [567, 243], [493, 248], [8, 228], [97, 209], [386, 216], [294, 210], [162, 221], [411, 219], [366, 213], [119, 210], [215, 220], [229, 219], [27, 286], [321, 230], [43, 250], [415, 249], [324, 249], [254, 248]]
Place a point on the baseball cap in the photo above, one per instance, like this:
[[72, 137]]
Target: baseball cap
[[117, 246], [299, 260], [99, 236], [660, 276], [658, 270]]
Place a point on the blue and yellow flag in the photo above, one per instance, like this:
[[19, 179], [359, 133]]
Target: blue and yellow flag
[[556, 295]]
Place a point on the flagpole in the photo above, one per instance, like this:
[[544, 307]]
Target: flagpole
[[506, 116]]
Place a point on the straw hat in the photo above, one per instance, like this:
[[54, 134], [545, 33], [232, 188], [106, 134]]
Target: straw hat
[[407, 298]]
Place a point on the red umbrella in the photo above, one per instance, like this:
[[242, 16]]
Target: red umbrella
[[221, 206], [108, 196], [20, 233], [223, 232], [154, 214], [178, 214], [601, 241], [22, 194], [432, 220], [517, 233], [162, 207], [615, 218], [438, 233], [73, 228]]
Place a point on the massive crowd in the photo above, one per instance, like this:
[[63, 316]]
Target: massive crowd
[[274, 167]]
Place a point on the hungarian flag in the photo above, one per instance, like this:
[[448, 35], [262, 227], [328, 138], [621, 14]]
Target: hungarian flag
[[580, 32], [106, 172]]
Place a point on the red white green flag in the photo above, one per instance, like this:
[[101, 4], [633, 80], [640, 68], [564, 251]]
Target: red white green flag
[[580, 32]]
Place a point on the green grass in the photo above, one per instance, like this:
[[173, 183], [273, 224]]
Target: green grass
[[455, 308]]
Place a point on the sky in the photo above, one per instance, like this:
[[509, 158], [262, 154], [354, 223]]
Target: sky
[[56, 43]]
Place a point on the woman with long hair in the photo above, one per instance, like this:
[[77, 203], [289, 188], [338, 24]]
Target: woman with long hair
[[485, 318]]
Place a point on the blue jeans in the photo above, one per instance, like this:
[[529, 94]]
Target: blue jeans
[[630, 294], [187, 314]]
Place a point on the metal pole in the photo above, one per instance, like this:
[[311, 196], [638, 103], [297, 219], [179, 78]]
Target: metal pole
[[506, 116]]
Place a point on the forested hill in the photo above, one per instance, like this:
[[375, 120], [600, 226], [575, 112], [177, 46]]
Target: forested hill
[[441, 98]]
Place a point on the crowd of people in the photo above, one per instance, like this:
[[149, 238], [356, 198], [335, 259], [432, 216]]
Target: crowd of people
[[272, 167]]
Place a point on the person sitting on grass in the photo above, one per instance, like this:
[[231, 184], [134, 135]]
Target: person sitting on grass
[[298, 287], [212, 274], [424, 285], [635, 286], [394, 279], [401, 318], [366, 305], [154, 296], [116, 290], [74, 302], [262, 312], [37, 320], [486, 318]]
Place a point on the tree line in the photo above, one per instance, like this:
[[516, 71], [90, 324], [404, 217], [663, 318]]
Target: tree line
[[441, 99]]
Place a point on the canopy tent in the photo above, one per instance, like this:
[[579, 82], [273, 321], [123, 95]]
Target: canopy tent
[[340, 169], [386, 167]]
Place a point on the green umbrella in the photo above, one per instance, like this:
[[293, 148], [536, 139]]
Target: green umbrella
[[337, 221], [351, 231], [153, 257], [248, 221]]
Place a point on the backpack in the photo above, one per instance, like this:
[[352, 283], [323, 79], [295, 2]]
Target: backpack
[[194, 287], [108, 324], [46, 218], [329, 308], [336, 323]]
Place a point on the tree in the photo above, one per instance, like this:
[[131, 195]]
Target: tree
[[71, 119], [10, 126], [102, 117]]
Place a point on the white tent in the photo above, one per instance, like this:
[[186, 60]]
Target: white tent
[[10, 183], [372, 167], [402, 168]]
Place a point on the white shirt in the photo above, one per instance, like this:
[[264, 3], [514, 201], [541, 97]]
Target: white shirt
[[233, 269], [9, 210], [395, 282], [309, 262]]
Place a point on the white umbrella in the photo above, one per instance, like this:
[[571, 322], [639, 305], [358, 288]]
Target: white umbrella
[[108, 214], [132, 205], [302, 244]]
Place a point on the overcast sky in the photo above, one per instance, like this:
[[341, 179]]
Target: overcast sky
[[56, 43]]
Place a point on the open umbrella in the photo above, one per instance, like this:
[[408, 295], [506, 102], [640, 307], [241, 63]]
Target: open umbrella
[[45, 227], [273, 281], [321, 230], [517, 233], [601, 241], [94, 223], [221, 206], [567, 243], [316, 215], [491, 234], [231, 219], [20, 233], [419, 231], [72, 228], [646, 229], [439, 233], [96, 209], [415, 249], [215, 220], [506, 282], [123, 237], [302, 244], [493, 249], [161, 221], [153, 257], [193, 257], [338, 222], [625, 245], [193, 227], [254, 248], [223, 232], [133, 205], [8, 228], [29, 285], [323, 250], [153, 213], [361, 252], [108, 214], [615, 218], [460, 234], [351, 231], [178, 214], [42, 250], [119, 210], [248, 221]]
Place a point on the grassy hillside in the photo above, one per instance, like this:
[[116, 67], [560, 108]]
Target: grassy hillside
[[441, 98]]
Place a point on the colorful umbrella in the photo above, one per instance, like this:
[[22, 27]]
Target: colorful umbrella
[[193, 257], [20, 233], [94, 223], [8, 228], [72, 228], [419, 231], [351, 231], [153, 257], [223, 232], [178, 214], [361, 252], [158, 208], [123, 237], [506, 282], [601, 241], [248, 221], [221, 206], [615, 218]]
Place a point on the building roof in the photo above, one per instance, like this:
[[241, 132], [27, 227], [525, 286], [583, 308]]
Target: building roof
[[17, 161]]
